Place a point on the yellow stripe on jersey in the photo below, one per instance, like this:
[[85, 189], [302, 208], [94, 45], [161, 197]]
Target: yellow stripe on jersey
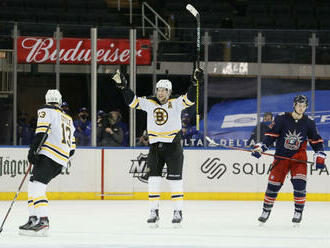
[[153, 101], [161, 136], [63, 113], [186, 102], [167, 135], [163, 133], [41, 129], [43, 124], [134, 102], [185, 97], [55, 154], [56, 148]]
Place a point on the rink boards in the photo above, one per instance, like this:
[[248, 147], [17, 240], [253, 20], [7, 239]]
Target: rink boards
[[209, 174]]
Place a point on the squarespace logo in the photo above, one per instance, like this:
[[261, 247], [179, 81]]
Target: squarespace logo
[[214, 168]]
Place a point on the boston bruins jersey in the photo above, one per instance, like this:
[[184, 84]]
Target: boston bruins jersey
[[60, 140], [163, 121]]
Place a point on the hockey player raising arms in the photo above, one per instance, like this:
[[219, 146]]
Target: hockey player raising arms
[[163, 126], [291, 131], [55, 152]]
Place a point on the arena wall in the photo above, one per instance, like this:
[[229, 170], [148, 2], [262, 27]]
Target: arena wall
[[209, 174]]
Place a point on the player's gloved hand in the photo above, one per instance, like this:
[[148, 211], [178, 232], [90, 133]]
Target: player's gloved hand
[[120, 80], [198, 76], [258, 149], [32, 157], [319, 159], [71, 153]]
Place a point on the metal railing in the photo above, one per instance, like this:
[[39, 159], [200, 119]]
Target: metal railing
[[167, 34]]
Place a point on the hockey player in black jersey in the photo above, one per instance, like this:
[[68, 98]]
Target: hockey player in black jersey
[[291, 131], [163, 126]]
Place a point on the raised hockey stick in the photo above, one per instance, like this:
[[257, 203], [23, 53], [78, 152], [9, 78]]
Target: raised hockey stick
[[213, 143], [195, 13], [22, 182]]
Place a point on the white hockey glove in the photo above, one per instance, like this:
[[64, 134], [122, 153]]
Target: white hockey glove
[[120, 80]]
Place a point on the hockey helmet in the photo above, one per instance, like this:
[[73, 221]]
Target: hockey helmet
[[300, 99], [53, 96], [164, 83]]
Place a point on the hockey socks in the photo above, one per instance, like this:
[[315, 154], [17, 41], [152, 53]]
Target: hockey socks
[[37, 199], [177, 199], [299, 193], [154, 192], [177, 194], [270, 196]]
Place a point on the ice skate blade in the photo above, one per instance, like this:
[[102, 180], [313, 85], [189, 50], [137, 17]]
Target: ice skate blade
[[296, 225], [41, 233], [177, 225], [153, 225], [261, 223]]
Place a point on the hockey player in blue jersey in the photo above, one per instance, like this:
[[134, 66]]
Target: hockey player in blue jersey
[[291, 131]]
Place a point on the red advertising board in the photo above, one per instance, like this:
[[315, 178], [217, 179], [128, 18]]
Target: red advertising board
[[77, 51]]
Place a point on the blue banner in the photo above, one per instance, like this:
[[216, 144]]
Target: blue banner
[[232, 122]]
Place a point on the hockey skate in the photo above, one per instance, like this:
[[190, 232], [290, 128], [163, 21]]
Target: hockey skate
[[297, 217], [154, 218], [31, 222], [264, 217], [177, 218], [40, 229]]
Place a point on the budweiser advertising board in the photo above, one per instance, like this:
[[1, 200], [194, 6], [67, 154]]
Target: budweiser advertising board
[[77, 51]]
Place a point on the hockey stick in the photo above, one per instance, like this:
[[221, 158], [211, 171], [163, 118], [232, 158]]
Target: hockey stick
[[213, 143], [22, 182], [195, 13]]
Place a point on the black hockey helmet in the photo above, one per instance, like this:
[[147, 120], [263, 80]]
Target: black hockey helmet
[[300, 99]]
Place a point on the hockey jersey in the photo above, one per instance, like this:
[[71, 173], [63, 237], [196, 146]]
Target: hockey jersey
[[292, 135], [163, 120], [60, 140]]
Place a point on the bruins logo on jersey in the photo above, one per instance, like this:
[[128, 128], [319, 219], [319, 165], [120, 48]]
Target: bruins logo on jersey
[[160, 116]]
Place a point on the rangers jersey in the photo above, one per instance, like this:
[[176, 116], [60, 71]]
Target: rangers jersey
[[60, 140], [163, 121], [292, 135]]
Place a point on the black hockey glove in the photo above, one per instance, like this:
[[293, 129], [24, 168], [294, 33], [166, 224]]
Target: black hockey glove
[[33, 157], [198, 76], [71, 153], [120, 80], [38, 140]]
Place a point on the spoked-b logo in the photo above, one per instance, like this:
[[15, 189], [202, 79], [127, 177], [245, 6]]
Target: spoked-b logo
[[213, 168]]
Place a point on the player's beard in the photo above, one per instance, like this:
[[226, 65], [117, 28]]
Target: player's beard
[[163, 100]]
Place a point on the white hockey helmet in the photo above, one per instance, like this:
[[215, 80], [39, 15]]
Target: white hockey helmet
[[53, 96], [164, 83]]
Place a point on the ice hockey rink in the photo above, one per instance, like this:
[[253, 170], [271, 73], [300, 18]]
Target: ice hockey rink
[[98, 224]]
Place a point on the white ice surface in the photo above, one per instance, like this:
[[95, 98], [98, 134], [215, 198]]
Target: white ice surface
[[99, 224]]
